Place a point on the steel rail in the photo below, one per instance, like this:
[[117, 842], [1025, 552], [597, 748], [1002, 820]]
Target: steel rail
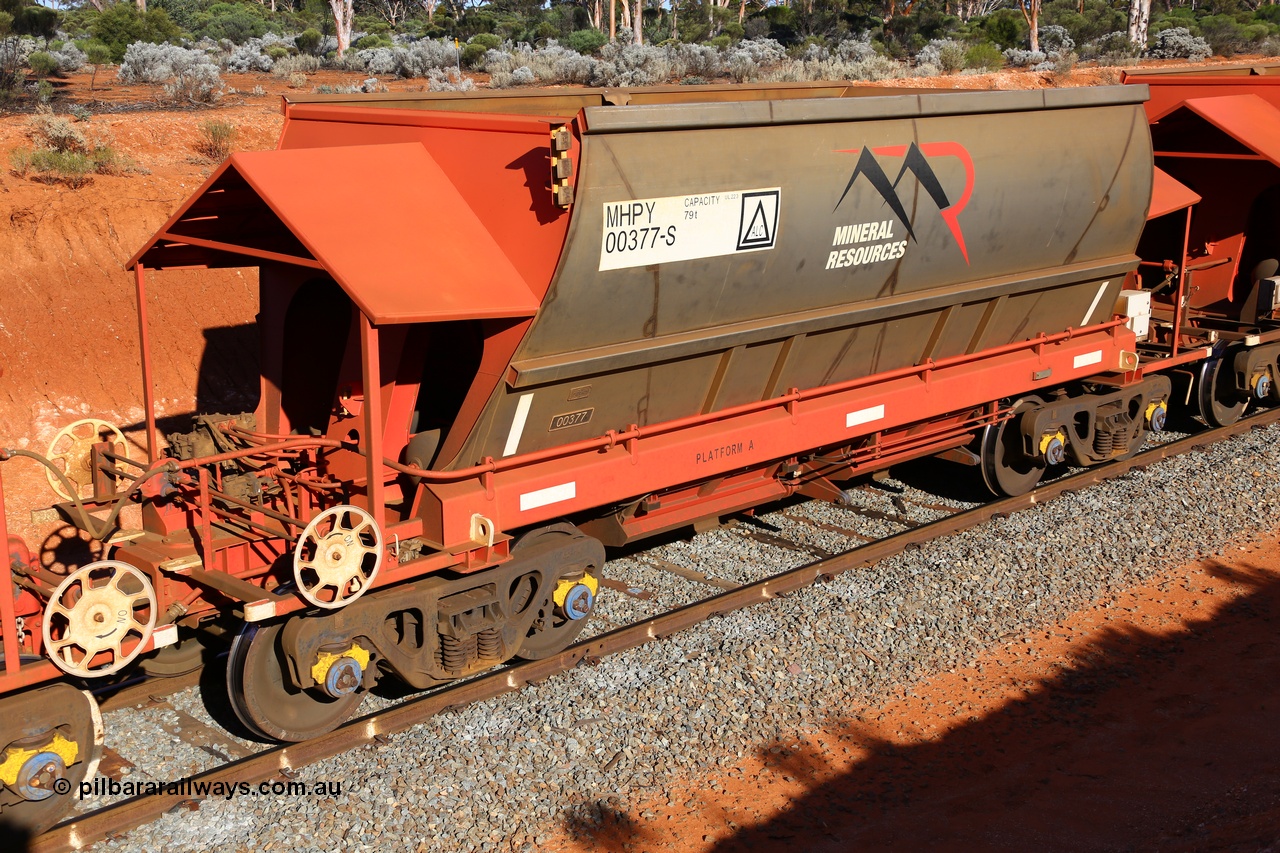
[[285, 760]]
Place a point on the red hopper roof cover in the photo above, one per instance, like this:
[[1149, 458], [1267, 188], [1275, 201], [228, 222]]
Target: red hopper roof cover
[[384, 220], [1168, 194]]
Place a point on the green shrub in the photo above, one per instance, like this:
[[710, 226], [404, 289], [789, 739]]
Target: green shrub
[[72, 168], [308, 40], [1005, 28], [121, 25], [33, 20], [951, 57], [371, 41], [215, 140], [473, 55], [184, 13], [372, 24], [96, 54], [545, 30], [277, 51], [1084, 20], [54, 133], [236, 23], [984, 56], [20, 160], [586, 42], [42, 64], [488, 40], [107, 161], [1227, 36], [66, 167]]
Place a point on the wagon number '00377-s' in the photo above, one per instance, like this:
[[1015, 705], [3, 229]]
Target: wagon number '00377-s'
[[640, 232]]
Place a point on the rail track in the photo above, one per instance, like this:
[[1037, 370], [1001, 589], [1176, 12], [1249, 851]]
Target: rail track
[[283, 762]]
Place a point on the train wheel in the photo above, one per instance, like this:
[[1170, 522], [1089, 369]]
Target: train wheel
[[53, 742], [267, 702], [1005, 468], [1219, 401], [567, 602]]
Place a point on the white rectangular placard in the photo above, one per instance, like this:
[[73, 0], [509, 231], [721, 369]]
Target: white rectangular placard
[[548, 496], [1087, 359], [864, 416], [640, 232]]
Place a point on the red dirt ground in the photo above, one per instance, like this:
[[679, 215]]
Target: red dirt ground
[[1146, 722]]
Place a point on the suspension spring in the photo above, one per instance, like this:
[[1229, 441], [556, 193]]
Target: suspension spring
[[1104, 442], [457, 654], [489, 644]]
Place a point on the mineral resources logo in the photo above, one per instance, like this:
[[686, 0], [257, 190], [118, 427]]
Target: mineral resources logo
[[915, 159]]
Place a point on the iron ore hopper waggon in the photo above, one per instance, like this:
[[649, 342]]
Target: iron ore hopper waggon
[[501, 332]]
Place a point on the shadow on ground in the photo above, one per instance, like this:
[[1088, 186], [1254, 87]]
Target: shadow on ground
[[1146, 741]]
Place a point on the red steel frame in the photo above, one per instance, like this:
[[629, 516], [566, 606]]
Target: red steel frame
[[523, 491], [614, 469]]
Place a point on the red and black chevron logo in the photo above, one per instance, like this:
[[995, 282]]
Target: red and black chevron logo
[[915, 159]]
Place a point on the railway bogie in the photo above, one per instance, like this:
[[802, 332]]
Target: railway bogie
[[53, 739], [637, 310]]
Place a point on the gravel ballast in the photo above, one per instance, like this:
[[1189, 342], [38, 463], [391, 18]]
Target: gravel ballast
[[507, 773]]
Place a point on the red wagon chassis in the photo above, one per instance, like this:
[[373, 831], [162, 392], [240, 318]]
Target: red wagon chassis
[[897, 412]]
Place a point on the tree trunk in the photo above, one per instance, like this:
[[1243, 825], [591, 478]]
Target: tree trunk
[[1031, 11], [142, 6], [343, 18], [613, 20], [639, 22], [1139, 19]]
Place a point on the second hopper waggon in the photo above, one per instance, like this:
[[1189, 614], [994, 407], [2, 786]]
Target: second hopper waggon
[[500, 332]]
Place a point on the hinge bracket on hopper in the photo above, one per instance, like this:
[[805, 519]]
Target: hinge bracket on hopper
[[561, 166]]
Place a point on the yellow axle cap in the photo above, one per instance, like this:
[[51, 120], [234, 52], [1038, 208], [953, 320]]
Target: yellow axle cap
[[15, 757], [320, 669], [562, 588], [1048, 437]]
